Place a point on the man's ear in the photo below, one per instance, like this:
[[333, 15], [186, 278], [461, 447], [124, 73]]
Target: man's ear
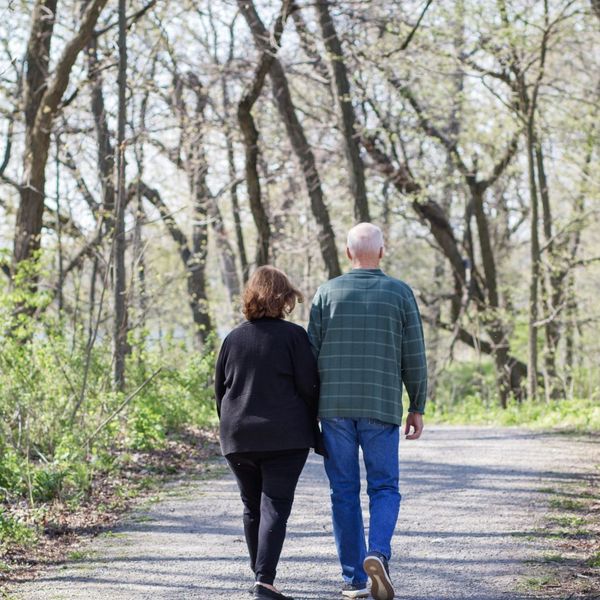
[[381, 253], [348, 253]]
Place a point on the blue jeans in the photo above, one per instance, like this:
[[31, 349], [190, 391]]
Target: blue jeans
[[379, 442]]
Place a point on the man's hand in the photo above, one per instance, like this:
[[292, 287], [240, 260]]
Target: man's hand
[[414, 421]]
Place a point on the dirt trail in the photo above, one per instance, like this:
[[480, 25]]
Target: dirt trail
[[471, 503]]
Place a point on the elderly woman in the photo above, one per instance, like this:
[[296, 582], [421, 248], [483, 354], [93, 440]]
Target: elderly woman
[[266, 385]]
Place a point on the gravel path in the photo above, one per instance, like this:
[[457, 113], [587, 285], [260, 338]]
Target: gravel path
[[467, 492]]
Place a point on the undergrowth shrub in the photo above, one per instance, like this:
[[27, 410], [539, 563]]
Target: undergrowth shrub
[[60, 417], [467, 395], [14, 531]]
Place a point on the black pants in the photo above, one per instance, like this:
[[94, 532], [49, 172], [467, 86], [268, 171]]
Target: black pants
[[267, 482]]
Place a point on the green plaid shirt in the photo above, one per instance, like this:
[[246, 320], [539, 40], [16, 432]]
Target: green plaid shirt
[[366, 332]]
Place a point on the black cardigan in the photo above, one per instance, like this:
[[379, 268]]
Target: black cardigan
[[267, 388]]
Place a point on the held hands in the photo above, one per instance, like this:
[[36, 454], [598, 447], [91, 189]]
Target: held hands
[[414, 421]]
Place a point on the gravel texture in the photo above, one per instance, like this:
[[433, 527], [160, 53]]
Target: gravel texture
[[472, 499]]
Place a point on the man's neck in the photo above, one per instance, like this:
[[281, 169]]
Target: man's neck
[[362, 265]]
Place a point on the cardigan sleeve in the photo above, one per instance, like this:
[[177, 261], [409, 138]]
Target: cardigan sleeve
[[315, 334], [220, 376], [306, 375]]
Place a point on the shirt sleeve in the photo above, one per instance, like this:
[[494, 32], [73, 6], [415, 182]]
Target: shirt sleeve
[[220, 376], [314, 325], [414, 361], [306, 375]]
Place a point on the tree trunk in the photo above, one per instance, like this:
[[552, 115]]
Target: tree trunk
[[43, 93], [120, 291], [235, 204], [553, 288], [491, 315], [299, 143], [233, 190], [197, 273], [347, 117], [261, 219], [197, 167], [250, 132], [229, 274], [570, 329], [105, 155], [534, 269], [196, 285], [235, 209]]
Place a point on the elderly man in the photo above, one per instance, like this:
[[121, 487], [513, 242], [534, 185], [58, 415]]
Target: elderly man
[[366, 331]]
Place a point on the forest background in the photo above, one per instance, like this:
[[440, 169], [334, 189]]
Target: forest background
[[154, 153]]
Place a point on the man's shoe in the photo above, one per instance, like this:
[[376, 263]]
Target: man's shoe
[[376, 566], [263, 593], [355, 590]]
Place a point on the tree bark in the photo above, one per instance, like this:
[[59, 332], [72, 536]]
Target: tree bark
[[235, 208], [532, 347], [553, 285], [43, 94], [235, 204], [105, 155], [250, 133], [195, 279], [197, 167], [120, 289], [298, 140], [347, 117], [259, 213], [229, 274]]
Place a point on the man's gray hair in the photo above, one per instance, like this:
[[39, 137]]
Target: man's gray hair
[[365, 239]]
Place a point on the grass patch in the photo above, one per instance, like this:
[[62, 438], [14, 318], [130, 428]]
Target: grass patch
[[143, 519], [553, 558], [81, 554], [567, 504], [538, 583], [594, 560], [567, 521], [570, 568], [113, 535], [14, 532]]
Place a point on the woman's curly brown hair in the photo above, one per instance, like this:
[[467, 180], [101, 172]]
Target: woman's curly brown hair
[[269, 293]]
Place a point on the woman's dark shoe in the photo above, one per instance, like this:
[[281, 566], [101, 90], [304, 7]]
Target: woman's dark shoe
[[260, 591]]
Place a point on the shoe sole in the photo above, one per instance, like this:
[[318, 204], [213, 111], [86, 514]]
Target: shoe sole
[[357, 594], [381, 584]]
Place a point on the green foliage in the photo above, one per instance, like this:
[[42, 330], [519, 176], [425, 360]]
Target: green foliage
[[594, 561], [59, 416], [13, 531], [11, 472], [465, 380], [467, 395]]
